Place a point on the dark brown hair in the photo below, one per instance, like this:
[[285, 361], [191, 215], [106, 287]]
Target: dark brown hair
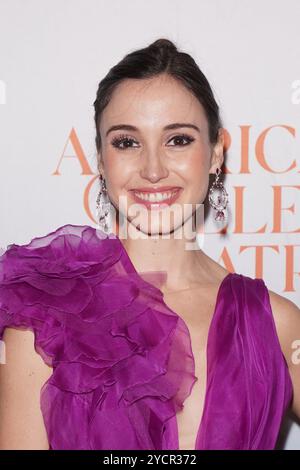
[[160, 57]]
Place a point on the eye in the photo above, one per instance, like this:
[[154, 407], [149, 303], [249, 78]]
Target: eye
[[123, 142], [122, 139], [180, 138]]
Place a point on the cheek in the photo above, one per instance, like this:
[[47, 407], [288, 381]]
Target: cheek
[[196, 168], [117, 178], [196, 174]]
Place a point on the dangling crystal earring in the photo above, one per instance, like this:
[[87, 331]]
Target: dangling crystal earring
[[103, 206], [218, 197]]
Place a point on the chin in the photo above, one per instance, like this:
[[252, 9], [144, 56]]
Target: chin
[[155, 227]]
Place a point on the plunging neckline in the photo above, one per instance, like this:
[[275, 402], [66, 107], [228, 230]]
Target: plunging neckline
[[208, 365], [210, 328]]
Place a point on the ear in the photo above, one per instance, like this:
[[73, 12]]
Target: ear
[[100, 164], [217, 156]]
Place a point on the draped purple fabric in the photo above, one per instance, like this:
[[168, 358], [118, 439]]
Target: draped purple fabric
[[122, 360]]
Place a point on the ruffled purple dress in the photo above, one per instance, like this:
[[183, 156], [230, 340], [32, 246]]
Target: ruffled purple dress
[[122, 360]]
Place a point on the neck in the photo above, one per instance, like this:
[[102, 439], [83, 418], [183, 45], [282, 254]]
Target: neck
[[177, 253]]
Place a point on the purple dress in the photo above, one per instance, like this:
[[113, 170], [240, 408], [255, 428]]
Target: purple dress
[[122, 359]]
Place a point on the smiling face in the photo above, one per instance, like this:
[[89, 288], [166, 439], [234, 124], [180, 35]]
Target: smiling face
[[154, 169]]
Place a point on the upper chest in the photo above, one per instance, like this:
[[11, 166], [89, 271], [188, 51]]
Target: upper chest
[[196, 308]]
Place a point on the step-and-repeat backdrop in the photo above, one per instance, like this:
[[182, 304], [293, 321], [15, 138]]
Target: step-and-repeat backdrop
[[54, 53]]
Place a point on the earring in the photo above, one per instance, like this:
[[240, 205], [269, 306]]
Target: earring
[[103, 206], [218, 197]]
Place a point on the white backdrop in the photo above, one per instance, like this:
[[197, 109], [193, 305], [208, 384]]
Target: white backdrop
[[54, 53]]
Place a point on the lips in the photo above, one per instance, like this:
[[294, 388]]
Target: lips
[[155, 189], [156, 199]]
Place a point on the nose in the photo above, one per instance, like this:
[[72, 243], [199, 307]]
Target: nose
[[154, 167]]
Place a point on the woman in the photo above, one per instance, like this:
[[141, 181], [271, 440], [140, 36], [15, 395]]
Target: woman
[[109, 339]]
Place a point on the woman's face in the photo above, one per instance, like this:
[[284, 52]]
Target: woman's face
[[155, 174]]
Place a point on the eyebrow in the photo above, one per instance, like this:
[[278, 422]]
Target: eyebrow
[[175, 125]]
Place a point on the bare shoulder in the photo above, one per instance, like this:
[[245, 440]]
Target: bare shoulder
[[214, 272], [22, 375], [21, 354], [287, 320]]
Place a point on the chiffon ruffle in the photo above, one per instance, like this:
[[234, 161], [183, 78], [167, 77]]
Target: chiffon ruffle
[[122, 361]]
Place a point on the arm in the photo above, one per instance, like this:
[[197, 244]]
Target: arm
[[287, 319], [21, 379]]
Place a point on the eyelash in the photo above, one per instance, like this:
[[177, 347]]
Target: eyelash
[[123, 138]]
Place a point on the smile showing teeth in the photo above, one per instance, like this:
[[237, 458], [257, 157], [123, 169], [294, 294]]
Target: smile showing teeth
[[155, 197]]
